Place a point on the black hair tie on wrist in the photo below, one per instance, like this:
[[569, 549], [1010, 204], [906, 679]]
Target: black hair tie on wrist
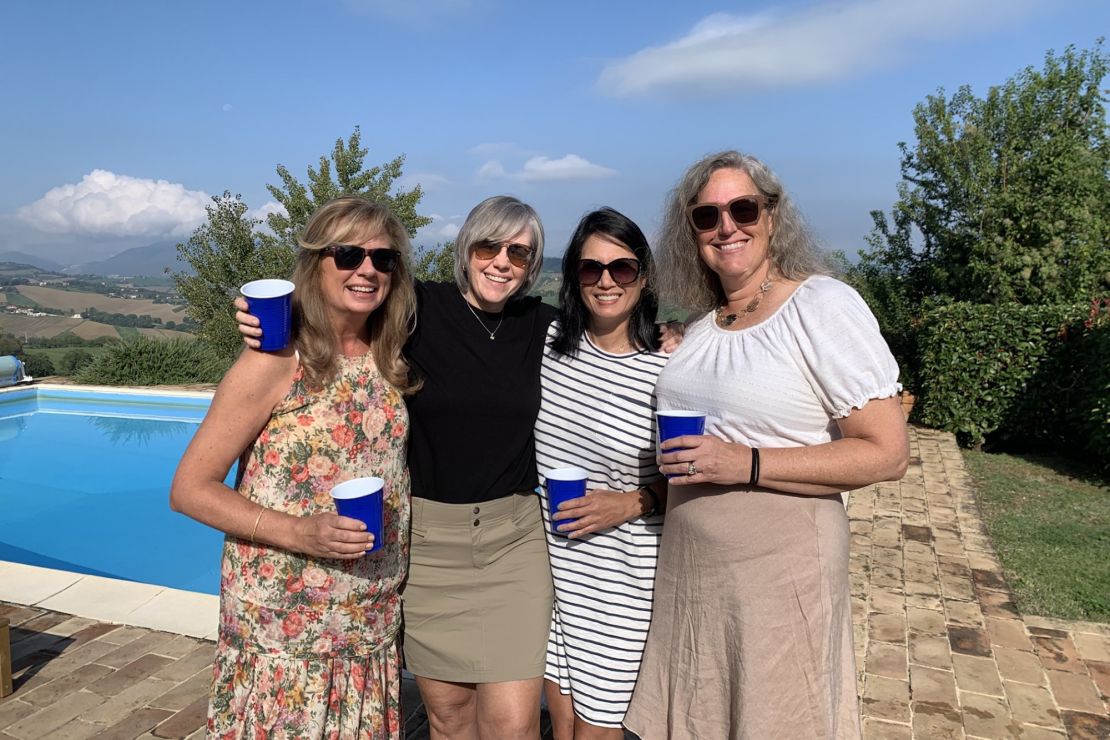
[[754, 480], [654, 503]]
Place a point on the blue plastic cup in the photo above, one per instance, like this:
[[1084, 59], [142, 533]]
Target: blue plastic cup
[[564, 484], [272, 302], [361, 498], [677, 424]]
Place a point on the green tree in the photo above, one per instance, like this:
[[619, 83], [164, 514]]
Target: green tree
[[225, 253], [37, 366], [231, 249], [436, 264], [73, 361], [1004, 198], [375, 184], [9, 345]]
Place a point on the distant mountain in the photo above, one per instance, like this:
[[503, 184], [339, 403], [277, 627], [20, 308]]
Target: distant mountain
[[150, 260], [23, 258]]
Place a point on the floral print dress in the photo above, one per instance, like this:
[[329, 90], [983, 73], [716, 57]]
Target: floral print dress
[[307, 647]]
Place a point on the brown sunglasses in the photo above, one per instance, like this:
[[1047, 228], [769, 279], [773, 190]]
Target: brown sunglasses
[[520, 255], [743, 211]]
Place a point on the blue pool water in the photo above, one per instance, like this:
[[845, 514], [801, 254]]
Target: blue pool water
[[84, 486]]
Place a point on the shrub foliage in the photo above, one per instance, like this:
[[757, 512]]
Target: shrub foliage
[[1027, 373], [149, 361]]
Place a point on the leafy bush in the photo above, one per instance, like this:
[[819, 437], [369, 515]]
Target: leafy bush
[[72, 361], [37, 366], [149, 361], [1068, 406], [1012, 372]]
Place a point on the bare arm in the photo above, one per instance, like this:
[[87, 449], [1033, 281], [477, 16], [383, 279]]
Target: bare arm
[[242, 405], [875, 447]]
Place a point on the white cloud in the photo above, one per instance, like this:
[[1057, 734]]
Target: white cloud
[[226, 107], [490, 170], [440, 229], [105, 203], [570, 167], [266, 209], [725, 52], [447, 231], [426, 180], [545, 169]]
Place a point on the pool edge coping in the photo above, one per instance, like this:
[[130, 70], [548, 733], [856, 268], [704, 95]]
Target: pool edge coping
[[116, 601]]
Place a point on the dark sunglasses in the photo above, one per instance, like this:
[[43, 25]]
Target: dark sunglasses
[[519, 254], [348, 257], [623, 271], [743, 210]]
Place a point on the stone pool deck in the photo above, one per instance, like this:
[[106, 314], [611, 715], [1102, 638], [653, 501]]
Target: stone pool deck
[[941, 652]]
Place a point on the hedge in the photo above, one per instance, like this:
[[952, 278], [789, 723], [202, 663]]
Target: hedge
[[1031, 373]]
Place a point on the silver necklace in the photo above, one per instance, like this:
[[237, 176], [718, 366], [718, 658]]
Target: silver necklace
[[492, 334]]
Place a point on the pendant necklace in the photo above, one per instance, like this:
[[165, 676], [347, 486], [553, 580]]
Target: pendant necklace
[[725, 320], [492, 334]]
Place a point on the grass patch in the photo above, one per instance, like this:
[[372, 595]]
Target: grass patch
[[1050, 524], [15, 298], [128, 332]]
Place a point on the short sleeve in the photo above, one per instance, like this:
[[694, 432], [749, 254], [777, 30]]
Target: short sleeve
[[847, 360]]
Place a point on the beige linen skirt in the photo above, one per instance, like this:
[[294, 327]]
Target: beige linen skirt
[[751, 633], [477, 603]]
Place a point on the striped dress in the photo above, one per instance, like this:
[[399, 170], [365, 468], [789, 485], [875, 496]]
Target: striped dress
[[597, 413]]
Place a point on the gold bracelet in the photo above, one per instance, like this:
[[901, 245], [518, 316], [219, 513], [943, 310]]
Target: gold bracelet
[[257, 519]]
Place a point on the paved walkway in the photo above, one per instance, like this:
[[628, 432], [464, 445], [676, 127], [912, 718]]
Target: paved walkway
[[940, 649]]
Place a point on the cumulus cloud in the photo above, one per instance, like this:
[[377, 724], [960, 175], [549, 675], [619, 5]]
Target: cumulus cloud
[[447, 231], [105, 203], [545, 169], [816, 44], [266, 209], [491, 170], [570, 167]]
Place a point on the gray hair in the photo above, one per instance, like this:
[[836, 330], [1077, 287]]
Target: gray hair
[[685, 280], [498, 219]]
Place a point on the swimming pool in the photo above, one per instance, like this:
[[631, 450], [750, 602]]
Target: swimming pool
[[84, 485]]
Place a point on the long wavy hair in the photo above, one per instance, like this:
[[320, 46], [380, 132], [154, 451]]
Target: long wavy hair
[[573, 315], [351, 220], [685, 280]]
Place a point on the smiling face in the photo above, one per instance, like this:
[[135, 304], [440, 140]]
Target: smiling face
[[357, 292], [610, 305], [493, 281], [738, 254]]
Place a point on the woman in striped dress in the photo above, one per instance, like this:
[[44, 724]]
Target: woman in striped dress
[[597, 412]]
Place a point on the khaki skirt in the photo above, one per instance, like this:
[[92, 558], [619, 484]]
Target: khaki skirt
[[477, 604]]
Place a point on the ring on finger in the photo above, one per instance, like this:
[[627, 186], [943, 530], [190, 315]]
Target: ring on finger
[[691, 469]]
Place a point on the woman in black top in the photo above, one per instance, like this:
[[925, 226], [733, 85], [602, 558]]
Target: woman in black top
[[478, 601], [477, 604]]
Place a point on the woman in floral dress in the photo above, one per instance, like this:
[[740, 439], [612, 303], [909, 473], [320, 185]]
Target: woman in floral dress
[[308, 617]]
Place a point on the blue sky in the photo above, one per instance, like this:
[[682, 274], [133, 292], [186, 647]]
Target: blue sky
[[119, 119]]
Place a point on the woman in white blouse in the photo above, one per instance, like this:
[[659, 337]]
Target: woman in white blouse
[[751, 631]]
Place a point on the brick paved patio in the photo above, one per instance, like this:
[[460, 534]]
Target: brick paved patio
[[941, 652]]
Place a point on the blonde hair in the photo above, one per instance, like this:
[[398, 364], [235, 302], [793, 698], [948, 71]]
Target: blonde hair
[[351, 220], [685, 280]]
